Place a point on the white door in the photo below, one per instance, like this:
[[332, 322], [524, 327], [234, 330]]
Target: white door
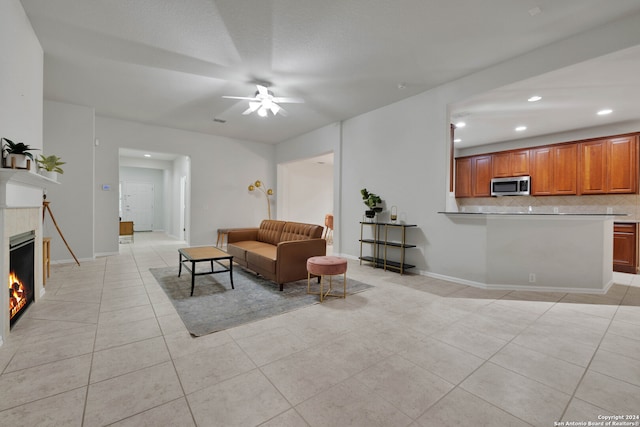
[[183, 206], [137, 202]]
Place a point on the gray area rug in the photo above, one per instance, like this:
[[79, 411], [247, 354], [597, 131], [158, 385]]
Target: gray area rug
[[214, 306]]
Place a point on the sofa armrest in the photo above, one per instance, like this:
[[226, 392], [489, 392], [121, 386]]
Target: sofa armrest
[[292, 258], [242, 235]]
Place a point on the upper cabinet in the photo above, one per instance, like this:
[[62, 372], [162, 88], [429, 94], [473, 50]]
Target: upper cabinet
[[593, 173], [553, 170], [463, 177], [604, 166], [510, 163], [542, 170], [473, 176], [565, 171], [609, 166], [481, 176]]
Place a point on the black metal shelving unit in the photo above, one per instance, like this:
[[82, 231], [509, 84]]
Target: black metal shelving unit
[[381, 245]]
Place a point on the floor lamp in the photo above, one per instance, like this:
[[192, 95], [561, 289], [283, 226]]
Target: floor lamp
[[267, 193]]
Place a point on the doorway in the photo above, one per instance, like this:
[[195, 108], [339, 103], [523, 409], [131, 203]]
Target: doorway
[[138, 204], [305, 189], [154, 191]]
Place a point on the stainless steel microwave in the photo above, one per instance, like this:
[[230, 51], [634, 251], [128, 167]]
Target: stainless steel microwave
[[513, 186]]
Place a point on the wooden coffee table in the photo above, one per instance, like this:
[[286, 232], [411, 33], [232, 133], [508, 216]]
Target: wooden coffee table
[[201, 254]]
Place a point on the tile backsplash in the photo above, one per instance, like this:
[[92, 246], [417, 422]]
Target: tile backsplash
[[610, 203]]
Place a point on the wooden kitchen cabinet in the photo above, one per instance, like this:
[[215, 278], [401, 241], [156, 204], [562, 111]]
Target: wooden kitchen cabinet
[[593, 169], [623, 165], [609, 166], [541, 171], [510, 163], [625, 247], [481, 176], [463, 177], [473, 176], [553, 170], [501, 165], [602, 166], [565, 169]]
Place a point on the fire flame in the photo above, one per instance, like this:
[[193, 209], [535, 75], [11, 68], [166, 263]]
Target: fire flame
[[17, 295]]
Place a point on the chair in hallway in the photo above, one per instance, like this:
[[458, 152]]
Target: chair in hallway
[[328, 223]]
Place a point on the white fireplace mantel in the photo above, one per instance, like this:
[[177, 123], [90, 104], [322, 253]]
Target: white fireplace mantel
[[21, 199], [20, 188]]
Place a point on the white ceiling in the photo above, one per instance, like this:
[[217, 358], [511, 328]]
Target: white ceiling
[[571, 98], [169, 62]]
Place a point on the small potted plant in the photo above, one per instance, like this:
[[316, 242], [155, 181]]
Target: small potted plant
[[372, 201], [50, 166], [16, 154]]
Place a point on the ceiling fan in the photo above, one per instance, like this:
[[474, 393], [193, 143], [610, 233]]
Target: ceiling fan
[[264, 101]]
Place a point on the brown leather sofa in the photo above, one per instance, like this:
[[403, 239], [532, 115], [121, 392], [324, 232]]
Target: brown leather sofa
[[277, 250]]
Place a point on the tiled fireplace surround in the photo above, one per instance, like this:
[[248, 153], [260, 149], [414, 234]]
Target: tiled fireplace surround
[[20, 211], [619, 204]]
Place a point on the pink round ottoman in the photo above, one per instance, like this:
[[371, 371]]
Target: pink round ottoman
[[327, 266]]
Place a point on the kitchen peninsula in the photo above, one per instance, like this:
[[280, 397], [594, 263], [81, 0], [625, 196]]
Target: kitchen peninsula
[[559, 252]]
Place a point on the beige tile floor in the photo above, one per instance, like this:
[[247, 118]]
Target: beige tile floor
[[105, 347]]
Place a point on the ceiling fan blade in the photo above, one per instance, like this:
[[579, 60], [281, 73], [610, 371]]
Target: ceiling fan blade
[[286, 100], [275, 108], [253, 106], [262, 91], [241, 97], [280, 111]]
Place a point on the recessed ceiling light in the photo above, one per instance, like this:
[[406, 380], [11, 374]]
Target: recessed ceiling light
[[147, 155], [605, 112], [534, 98], [457, 140], [535, 11], [460, 124], [521, 128]]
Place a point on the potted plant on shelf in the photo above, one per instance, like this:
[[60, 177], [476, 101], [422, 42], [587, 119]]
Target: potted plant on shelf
[[372, 201], [50, 166], [17, 154]]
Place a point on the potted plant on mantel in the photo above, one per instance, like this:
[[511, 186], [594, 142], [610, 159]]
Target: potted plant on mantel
[[372, 201], [17, 154], [50, 166]]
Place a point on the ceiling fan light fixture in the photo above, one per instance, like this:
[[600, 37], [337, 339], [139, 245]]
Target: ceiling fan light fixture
[[264, 101]]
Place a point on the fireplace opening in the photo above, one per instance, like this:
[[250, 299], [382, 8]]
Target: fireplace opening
[[21, 276]]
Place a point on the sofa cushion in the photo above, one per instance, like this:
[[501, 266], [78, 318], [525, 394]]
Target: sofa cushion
[[239, 249], [300, 231], [263, 258], [270, 231]]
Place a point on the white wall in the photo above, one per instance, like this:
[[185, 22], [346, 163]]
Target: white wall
[[307, 192], [21, 80], [69, 135], [401, 152], [221, 170]]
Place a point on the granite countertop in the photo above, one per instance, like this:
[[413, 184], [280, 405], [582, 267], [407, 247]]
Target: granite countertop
[[525, 213]]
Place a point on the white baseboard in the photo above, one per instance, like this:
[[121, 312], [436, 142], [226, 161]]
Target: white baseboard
[[507, 287]]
